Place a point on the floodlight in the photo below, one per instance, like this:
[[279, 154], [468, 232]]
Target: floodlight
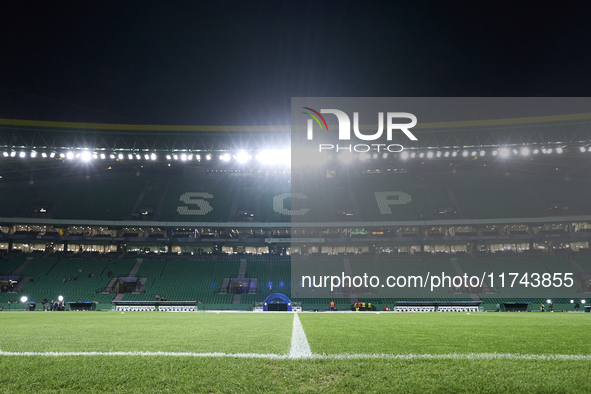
[[385, 155], [52, 155], [137, 156], [536, 151], [559, 150], [438, 154], [446, 154], [24, 299], [225, 157], [60, 298], [12, 154], [582, 149], [465, 153], [153, 156], [130, 156], [572, 301], [454, 154], [525, 151], [207, 157], [197, 157], [550, 150], [22, 154], [5, 154], [548, 301], [242, 157], [482, 153], [103, 156], [70, 155], [33, 154], [413, 154], [582, 301], [404, 155], [474, 153], [504, 152], [168, 157], [176, 157], [43, 155], [85, 156], [429, 155], [147, 156], [183, 157], [421, 155]]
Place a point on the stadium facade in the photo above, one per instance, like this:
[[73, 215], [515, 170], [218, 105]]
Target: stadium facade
[[205, 214]]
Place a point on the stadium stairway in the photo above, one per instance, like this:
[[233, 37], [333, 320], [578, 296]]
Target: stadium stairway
[[242, 268], [236, 299], [135, 267], [21, 267]]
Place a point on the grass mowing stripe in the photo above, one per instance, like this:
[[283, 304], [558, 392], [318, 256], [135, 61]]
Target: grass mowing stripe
[[452, 356]]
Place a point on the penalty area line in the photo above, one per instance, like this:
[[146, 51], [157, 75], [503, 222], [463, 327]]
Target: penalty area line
[[300, 353]]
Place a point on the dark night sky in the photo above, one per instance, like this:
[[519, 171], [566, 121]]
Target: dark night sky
[[240, 62]]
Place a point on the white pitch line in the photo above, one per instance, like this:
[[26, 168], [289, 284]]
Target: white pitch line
[[300, 348], [270, 356]]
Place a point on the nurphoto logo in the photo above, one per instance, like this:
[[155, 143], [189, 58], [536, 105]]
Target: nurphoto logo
[[345, 130]]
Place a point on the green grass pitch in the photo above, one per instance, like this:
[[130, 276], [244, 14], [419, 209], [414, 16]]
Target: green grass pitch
[[327, 334]]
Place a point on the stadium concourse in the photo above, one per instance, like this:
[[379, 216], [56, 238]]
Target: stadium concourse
[[106, 217]]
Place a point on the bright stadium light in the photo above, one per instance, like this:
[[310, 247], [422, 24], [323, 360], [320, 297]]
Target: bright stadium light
[[346, 157], [120, 156], [225, 157], [85, 156], [52, 155], [454, 154], [525, 151], [5, 154], [582, 301], [24, 299], [198, 157], [446, 154], [589, 150], [70, 155], [430, 155], [504, 152], [60, 298], [412, 155], [242, 157], [548, 301], [482, 153], [147, 156], [438, 153], [385, 155], [465, 153], [536, 151], [374, 156], [44, 155], [33, 154], [421, 155], [190, 156], [168, 157], [176, 157], [582, 149], [549, 150], [363, 156], [153, 156], [404, 155], [22, 155], [207, 157], [137, 156], [183, 157], [559, 150], [103, 156], [130, 156]]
